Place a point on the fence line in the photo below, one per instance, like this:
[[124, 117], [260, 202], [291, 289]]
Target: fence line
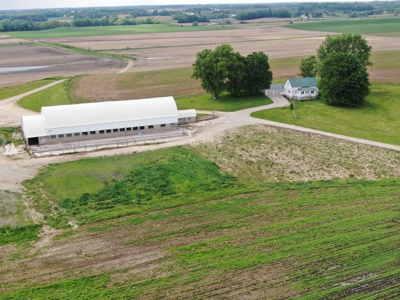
[[36, 151]]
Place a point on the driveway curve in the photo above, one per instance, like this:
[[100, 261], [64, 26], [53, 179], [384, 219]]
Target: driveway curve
[[21, 169]]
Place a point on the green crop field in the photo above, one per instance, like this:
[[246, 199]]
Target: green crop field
[[364, 26], [55, 95], [8, 92], [170, 224], [110, 30], [377, 121]]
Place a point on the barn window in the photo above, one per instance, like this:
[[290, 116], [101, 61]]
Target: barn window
[[312, 92], [162, 125], [69, 134], [53, 136], [60, 135], [122, 129], [108, 131], [302, 92], [101, 131], [85, 133], [92, 132], [151, 126], [77, 134], [115, 130], [135, 128], [141, 127], [128, 129]]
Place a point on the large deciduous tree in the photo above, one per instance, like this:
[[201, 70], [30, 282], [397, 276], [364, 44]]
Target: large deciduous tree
[[308, 67], [258, 73], [346, 43], [343, 79], [211, 67]]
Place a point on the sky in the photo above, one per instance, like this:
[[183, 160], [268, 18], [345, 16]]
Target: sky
[[31, 4]]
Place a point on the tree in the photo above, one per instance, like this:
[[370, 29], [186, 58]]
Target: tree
[[236, 75], [343, 79], [211, 67], [308, 67], [258, 75], [345, 43]]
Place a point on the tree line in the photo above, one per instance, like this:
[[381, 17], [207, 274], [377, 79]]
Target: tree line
[[223, 70], [258, 14]]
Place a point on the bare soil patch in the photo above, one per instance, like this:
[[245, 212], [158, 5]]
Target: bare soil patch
[[12, 41], [159, 51], [61, 63], [260, 153]]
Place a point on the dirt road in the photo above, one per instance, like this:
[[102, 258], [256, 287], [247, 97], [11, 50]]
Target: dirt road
[[11, 113]]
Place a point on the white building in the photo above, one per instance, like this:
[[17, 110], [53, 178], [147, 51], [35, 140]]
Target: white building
[[300, 88], [66, 123]]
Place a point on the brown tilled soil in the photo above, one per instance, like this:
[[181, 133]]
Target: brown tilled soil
[[172, 50], [61, 63]]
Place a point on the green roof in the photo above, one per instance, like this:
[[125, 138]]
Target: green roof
[[299, 82]]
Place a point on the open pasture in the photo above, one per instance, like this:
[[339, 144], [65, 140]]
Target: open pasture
[[379, 26], [58, 63]]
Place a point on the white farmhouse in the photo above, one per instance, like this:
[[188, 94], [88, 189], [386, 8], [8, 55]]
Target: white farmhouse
[[300, 88], [77, 122]]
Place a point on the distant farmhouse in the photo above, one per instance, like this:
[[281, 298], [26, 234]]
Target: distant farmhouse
[[300, 88], [295, 88], [68, 123]]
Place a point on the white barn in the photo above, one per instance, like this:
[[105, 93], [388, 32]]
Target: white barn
[[301, 88], [67, 123]]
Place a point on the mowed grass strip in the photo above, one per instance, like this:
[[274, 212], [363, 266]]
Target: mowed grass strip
[[378, 121], [8, 92], [225, 102], [363, 26], [111, 30], [55, 95]]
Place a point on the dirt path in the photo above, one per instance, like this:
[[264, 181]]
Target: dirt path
[[128, 66], [11, 113]]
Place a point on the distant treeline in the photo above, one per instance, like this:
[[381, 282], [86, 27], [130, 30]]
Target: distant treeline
[[17, 25], [183, 18], [258, 14]]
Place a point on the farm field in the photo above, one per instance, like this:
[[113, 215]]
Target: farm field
[[109, 30], [214, 235], [58, 63], [377, 121], [380, 26]]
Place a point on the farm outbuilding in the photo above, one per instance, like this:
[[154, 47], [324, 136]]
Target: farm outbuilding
[[67, 123]]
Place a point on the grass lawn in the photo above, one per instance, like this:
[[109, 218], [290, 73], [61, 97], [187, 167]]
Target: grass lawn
[[54, 95], [363, 26], [225, 102], [111, 30], [8, 92], [377, 122]]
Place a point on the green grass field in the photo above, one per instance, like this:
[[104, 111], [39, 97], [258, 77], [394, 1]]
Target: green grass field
[[206, 236], [225, 102], [377, 121], [55, 95], [364, 26], [8, 92], [110, 30]]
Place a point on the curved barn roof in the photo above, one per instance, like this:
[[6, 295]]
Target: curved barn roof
[[62, 116]]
